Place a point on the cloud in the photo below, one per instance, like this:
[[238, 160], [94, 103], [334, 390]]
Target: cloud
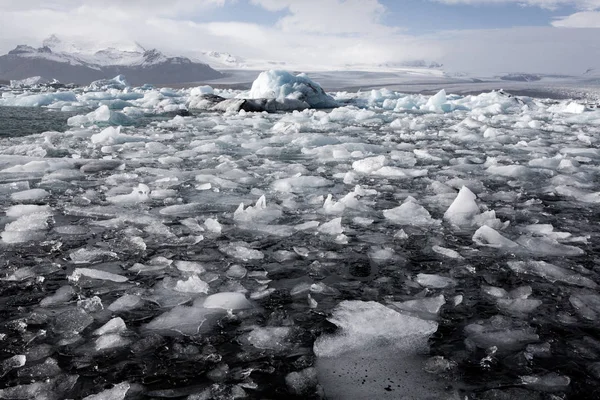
[[144, 7], [309, 33], [306, 34], [526, 49], [584, 19], [548, 4], [329, 16]]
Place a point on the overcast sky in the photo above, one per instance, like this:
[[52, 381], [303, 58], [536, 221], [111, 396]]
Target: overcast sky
[[551, 36]]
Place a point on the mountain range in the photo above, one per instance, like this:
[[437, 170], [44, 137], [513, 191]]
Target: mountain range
[[71, 63]]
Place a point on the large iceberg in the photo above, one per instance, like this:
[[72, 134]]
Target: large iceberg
[[285, 87]]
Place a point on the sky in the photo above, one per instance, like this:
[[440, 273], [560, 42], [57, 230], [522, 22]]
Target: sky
[[471, 36]]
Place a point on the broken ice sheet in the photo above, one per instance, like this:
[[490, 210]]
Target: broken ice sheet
[[374, 341]]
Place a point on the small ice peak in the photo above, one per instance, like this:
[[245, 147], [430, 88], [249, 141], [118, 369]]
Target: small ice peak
[[438, 103], [486, 236], [115, 325], [463, 209], [464, 212], [213, 225], [140, 194], [331, 206], [257, 212], [410, 213], [333, 227]]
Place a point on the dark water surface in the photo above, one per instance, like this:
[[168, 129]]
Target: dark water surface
[[23, 121]]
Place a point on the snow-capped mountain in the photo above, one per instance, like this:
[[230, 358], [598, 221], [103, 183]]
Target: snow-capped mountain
[[82, 63], [222, 60]]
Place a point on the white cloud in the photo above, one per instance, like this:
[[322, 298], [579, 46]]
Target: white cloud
[[584, 19], [310, 33], [329, 16], [549, 4], [528, 49]]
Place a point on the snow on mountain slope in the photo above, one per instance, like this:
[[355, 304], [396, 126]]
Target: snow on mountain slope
[[82, 62]]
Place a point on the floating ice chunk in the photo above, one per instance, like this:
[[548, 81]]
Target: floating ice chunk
[[426, 308], [438, 102], [495, 292], [486, 236], [118, 392], [464, 208], [434, 281], [29, 222], [268, 338], [49, 389], [236, 272], [200, 90], [30, 195], [282, 86], [398, 173], [551, 273], [362, 324], [302, 383], [587, 305], [240, 251], [190, 266], [333, 207], [574, 108], [112, 136], [227, 301], [518, 306], [127, 302], [546, 246], [363, 221], [516, 302], [374, 341], [369, 165], [102, 165], [546, 230], [26, 228], [192, 285], [182, 319], [551, 382], [447, 252], [101, 116], [72, 321], [37, 100], [20, 210], [300, 184], [156, 264], [118, 82], [62, 295], [333, 227], [96, 274], [140, 194], [500, 332], [509, 171], [111, 341], [259, 212], [115, 325], [90, 255], [410, 213], [381, 255], [12, 363]]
